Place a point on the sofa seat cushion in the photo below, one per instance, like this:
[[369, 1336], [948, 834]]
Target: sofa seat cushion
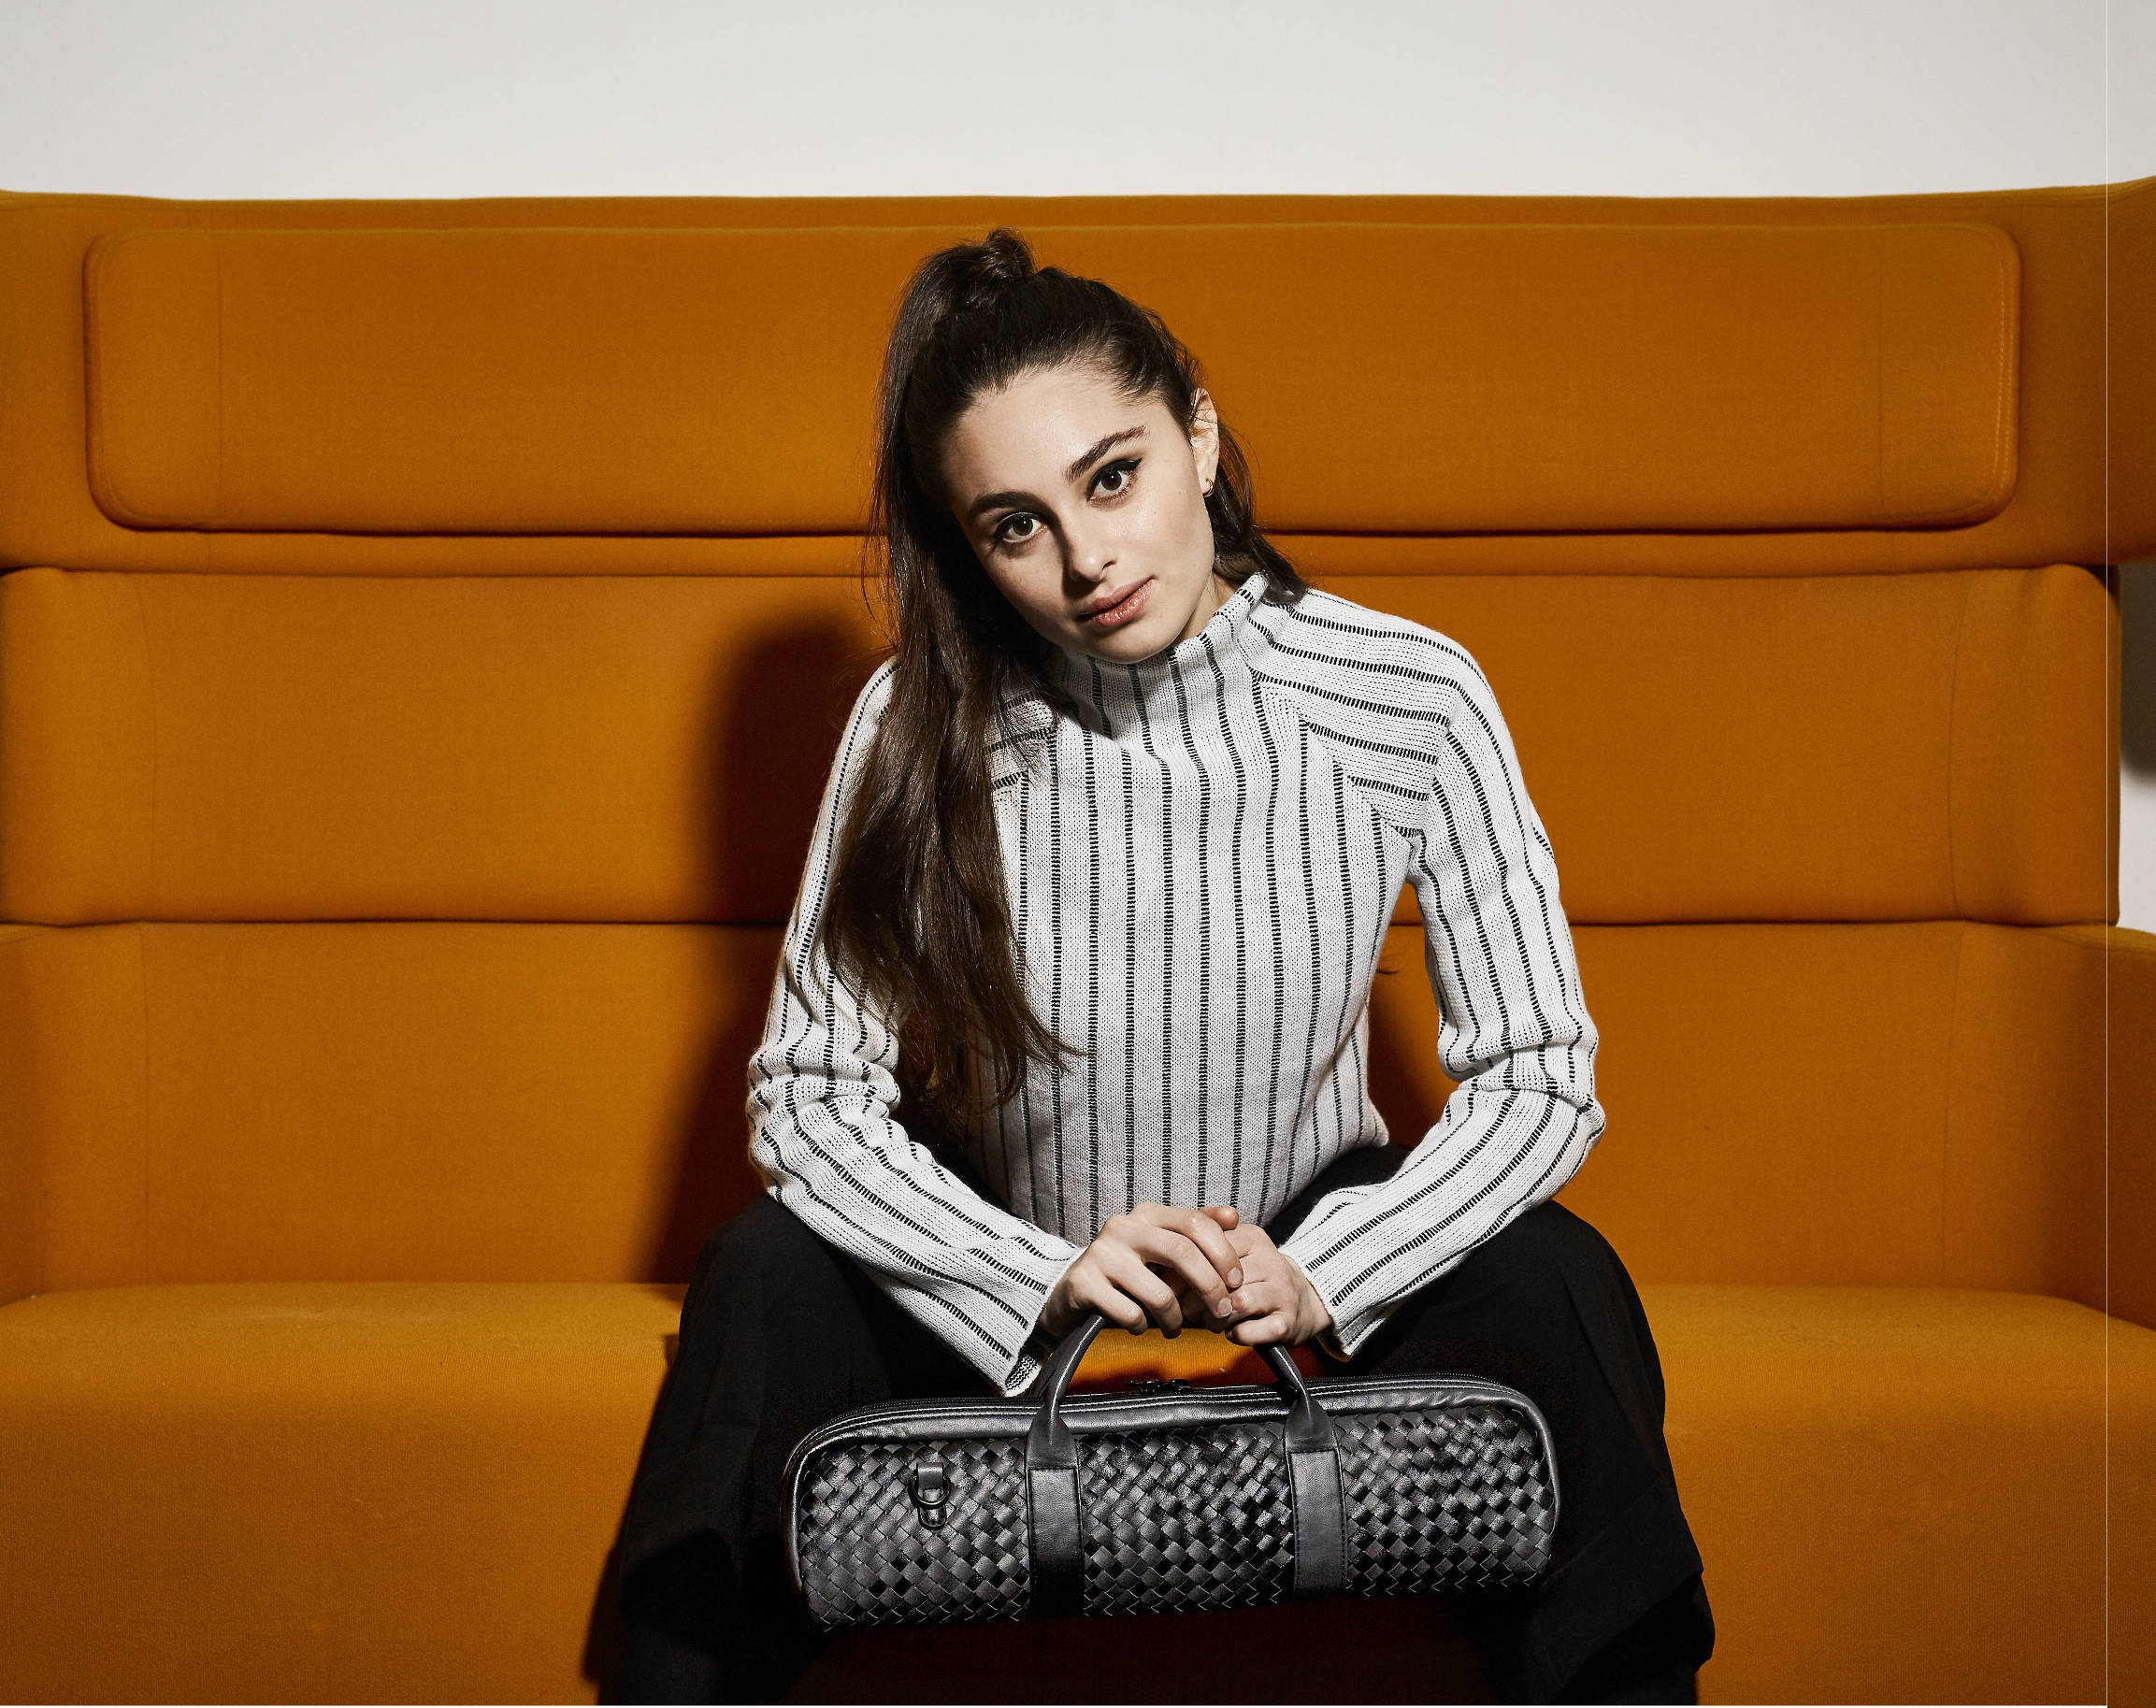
[[365, 1492], [1884, 1461], [395, 1490]]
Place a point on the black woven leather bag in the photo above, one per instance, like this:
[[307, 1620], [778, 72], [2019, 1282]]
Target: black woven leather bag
[[1170, 1499]]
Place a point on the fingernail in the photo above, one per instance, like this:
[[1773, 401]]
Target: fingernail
[[1234, 1278], [1225, 1308]]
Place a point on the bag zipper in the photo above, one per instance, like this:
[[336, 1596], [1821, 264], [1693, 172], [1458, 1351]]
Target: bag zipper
[[1229, 1399]]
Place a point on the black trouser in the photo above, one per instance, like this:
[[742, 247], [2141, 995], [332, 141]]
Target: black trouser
[[780, 1331]]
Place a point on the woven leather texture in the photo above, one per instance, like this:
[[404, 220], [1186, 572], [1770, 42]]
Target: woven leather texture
[[1173, 1519], [869, 1557]]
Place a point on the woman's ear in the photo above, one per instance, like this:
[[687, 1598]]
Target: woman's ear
[[1204, 439]]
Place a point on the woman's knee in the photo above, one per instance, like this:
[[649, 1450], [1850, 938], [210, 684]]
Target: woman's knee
[[1554, 1268], [763, 1236], [775, 1319], [1544, 1243]]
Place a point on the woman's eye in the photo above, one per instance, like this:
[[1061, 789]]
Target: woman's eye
[[1013, 530], [1115, 480]]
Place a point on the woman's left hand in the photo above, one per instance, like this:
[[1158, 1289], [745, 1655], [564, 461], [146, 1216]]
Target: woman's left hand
[[1275, 1302]]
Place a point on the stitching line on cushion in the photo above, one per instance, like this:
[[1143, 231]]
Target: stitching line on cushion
[[142, 930], [1963, 928], [149, 1269], [141, 948], [150, 683], [1953, 728]]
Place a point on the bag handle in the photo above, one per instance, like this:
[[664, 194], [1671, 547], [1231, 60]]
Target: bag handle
[[1051, 1481]]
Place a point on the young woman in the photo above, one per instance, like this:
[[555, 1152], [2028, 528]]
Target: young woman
[[1072, 1008]]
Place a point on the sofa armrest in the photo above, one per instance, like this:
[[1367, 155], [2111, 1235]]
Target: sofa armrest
[[22, 1148], [2130, 1149]]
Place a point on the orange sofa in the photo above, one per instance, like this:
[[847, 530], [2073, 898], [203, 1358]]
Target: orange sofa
[[423, 638]]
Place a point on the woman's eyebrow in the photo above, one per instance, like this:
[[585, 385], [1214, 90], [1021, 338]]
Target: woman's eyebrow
[[1099, 449], [1093, 454], [989, 501]]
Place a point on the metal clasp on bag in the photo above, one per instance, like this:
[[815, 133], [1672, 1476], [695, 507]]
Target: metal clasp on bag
[[1158, 1385], [930, 1489]]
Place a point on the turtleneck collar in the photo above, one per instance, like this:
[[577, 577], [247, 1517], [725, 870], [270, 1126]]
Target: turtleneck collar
[[1125, 700]]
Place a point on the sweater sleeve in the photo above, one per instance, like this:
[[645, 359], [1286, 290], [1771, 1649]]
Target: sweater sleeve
[[825, 1137], [1513, 1033]]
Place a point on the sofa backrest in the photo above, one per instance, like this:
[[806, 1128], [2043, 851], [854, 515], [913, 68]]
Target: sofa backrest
[[426, 626]]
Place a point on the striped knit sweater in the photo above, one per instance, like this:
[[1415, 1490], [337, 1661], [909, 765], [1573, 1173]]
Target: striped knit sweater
[[1201, 874]]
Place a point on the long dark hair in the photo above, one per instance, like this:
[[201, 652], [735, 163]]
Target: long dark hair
[[917, 919]]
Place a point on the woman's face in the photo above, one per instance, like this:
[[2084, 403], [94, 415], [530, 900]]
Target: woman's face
[[1078, 500]]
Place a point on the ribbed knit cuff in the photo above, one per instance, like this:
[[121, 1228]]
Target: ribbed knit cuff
[[1325, 1339], [1037, 1346], [1343, 1340], [1346, 1334]]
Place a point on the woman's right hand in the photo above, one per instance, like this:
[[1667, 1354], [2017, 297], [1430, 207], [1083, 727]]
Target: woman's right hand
[[1118, 1273]]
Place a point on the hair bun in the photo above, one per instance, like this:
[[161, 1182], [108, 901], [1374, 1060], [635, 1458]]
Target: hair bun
[[998, 262]]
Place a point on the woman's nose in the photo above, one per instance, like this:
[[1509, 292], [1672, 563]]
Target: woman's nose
[[1089, 552]]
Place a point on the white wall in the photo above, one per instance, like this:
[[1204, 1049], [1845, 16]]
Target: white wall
[[1652, 98]]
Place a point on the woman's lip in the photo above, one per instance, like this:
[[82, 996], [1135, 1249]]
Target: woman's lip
[[1116, 616]]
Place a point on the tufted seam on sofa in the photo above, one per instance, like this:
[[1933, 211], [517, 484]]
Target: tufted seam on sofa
[[148, 902], [147, 894], [1962, 930], [1953, 730], [143, 1032]]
